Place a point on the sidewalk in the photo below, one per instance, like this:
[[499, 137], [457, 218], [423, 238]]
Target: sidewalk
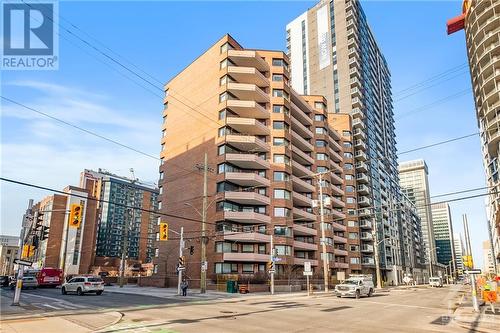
[[82, 323], [170, 292], [483, 321]]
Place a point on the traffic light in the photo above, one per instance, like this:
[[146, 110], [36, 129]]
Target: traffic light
[[181, 261], [38, 221], [75, 215], [28, 251], [163, 231], [44, 233], [191, 250]]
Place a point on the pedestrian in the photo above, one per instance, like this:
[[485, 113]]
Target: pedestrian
[[184, 287]]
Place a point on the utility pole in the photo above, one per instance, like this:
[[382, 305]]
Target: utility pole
[[468, 248], [203, 286], [20, 268], [492, 248], [180, 269], [323, 237], [377, 259], [272, 265], [125, 248]]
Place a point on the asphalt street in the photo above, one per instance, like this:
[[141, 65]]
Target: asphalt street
[[43, 300]]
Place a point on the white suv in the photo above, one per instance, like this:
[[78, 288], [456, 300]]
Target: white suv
[[84, 284]]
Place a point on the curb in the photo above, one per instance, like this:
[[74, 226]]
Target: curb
[[116, 321]]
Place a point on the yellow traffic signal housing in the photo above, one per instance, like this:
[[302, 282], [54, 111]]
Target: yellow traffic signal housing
[[163, 231], [75, 215], [28, 251]]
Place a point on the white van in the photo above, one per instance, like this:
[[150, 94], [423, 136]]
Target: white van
[[356, 286], [436, 281]]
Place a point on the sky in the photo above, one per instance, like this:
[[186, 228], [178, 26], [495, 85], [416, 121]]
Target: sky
[[162, 37]]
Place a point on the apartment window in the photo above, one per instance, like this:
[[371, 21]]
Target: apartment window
[[351, 212], [226, 62], [352, 224], [164, 120], [224, 47], [319, 117], [226, 247], [346, 133], [280, 125], [283, 231], [247, 268], [165, 106], [278, 77], [282, 194], [278, 92], [159, 204], [283, 250], [158, 221], [321, 143], [351, 200], [248, 248], [224, 131], [349, 177], [224, 268], [222, 97], [321, 157], [348, 166], [321, 169], [353, 235], [157, 236], [155, 268], [348, 155], [349, 189], [157, 252], [278, 62], [161, 175], [280, 158], [281, 176], [347, 144], [320, 130], [163, 133], [354, 260], [278, 108], [319, 105], [167, 91], [281, 142], [282, 212], [222, 114]]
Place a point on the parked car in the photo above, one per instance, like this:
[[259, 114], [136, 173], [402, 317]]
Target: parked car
[[83, 284], [356, 286], [4, 280], [436, 281], [28, 282]]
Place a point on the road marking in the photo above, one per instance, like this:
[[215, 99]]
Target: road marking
[[50, 306], [405, 305]]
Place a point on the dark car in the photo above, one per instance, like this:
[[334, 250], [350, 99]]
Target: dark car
[[4, 281]]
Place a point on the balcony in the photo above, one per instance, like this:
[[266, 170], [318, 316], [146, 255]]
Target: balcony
[[334, 144], [337, 215], [334, 155], [255, 257], [365, 212], [363, 201], [367, 261], [337, 190], [300, 170], [248, 91], [363, 189], [304, 229], [305, 246], [248, 126], [248, 161], [248, 59], [360, 155], [357, 113], [360, 144], [340, 253], [300, 142], [337, 203], [246, 142], [358, 124], [366, 236], [361, 166], [362, 178], [335, 167], [300, 102], [301, 200], [341, 265], [301, 129], [247, 237], [338, 227], [247, 217], [248, 75], [300, 261], [339, 240], [246, 109], [365, 224], [301, 157], [301, 185], [359, 134], [247, 198], [336, 180], [247, 179], [300, 115], [366, 248]]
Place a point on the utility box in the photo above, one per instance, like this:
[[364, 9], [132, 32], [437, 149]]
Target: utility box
[[231, 286]]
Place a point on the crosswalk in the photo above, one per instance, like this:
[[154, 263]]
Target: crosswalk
[[58, 306]]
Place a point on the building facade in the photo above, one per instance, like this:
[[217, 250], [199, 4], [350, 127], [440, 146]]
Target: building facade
[[334, 53], [488, 264], [9, 250], [443, 233], [266, 145], [459, 253], [413, 177], [482, 33], [113, 219]]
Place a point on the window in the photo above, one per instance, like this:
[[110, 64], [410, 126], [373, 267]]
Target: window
[[282, 231], [162, 147], [159, 204], [281, 176], [280, 158], [157, 252], [278, 77], [224, 96], [278, 92], [280, 125], [161, 175], [224, 47], [278, 62], [283, 250], [321, 169], [157, 236], [348, 166], [352, 224], [320, 130], [349, 177], [321, 143], [247, 248], [222, 114], [247, 268], [221, 150], [321, 156], [281, 142], [346, 133], [354, 260], [164, 120], [155, 268], [163, 133], [225, 247], [226, 62], [282, 212], [281, 194], [278, 108], [224, 131], [347, 144], [351, 200], [319, 117], [262, 248], [221, 268], [349, 189], [348, 155], [319, 105], [353, 235]]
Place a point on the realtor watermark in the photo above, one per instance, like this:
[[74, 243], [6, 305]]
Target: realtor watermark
[[30, 35]]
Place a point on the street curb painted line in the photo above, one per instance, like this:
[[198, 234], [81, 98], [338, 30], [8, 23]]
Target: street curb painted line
[[116, 321]]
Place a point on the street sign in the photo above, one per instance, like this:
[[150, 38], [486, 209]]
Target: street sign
[[272, 271], [23, 262], [204, 266], [307, 273], [307, 266], [472, 271], [277, 259]]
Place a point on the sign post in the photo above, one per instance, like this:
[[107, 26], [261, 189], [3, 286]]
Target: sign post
[[23, 262], [307, 273]]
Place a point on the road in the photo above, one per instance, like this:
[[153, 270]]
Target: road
[[417, 310], [43, 300]]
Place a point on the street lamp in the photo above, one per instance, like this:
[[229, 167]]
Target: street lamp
[[430, 259], [377, 259]]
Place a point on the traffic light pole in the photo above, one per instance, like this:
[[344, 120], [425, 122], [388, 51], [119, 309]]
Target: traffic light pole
[[272, 266], [125, 249], [20, 268], [323, 237], [468, 248], [179, 275], [203, 286]]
